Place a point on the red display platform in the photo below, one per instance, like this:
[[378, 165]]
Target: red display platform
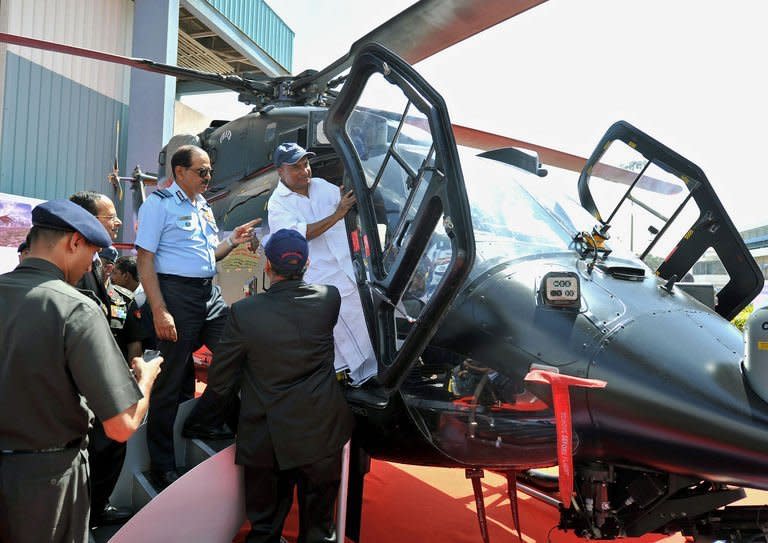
[[413, 503]]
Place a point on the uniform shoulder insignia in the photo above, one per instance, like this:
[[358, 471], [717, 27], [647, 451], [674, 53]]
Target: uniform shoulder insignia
[[92, 296], [162, 193], [124, 292]]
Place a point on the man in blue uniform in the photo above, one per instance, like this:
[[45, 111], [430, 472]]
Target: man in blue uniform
[[177, 248], [49, 388]]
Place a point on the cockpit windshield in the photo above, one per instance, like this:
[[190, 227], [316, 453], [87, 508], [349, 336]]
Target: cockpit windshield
[[509, 222], [515, 214]]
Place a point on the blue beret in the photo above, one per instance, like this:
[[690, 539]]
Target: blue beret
[[287, 250], [290, 153], [70, 217], [108, 253]]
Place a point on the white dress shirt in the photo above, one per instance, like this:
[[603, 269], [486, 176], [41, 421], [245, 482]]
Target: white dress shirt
[[330, 264], [139, 296]]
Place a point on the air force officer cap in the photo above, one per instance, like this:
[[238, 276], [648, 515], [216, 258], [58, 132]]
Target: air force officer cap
[[70, 217]]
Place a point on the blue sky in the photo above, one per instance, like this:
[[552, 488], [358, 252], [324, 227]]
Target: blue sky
[[690, 73]]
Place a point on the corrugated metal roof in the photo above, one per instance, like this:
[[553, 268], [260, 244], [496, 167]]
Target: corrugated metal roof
[[193, 55], [260, 23]]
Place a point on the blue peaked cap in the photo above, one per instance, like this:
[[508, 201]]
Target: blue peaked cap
[[290, 153], [109, 253], [70, 217], [287, 250]]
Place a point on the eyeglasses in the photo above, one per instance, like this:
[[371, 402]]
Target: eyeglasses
[[203, 172], [110, 218]]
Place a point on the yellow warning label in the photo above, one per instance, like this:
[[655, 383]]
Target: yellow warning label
[[762, 345]]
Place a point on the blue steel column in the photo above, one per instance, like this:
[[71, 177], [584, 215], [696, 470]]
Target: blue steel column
[[151, 106]]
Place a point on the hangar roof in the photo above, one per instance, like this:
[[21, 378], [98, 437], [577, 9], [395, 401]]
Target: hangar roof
[[234, 36]]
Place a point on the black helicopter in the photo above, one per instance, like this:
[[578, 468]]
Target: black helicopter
[[515, 330]]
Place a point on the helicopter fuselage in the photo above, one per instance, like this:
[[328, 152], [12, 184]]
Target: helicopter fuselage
[[676, 404], [676, 399]]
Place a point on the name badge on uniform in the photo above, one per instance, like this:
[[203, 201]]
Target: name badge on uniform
[[185, 222]]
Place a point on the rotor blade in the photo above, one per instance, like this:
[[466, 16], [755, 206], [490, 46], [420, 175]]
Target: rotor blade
[[426, 28], [232, 82], [478, 139], [486, 141]]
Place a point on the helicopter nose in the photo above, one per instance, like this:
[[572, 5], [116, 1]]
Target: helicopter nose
[[677, 398]]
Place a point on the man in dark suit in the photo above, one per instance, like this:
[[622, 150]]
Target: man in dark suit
[[106, 455], [277, 349]]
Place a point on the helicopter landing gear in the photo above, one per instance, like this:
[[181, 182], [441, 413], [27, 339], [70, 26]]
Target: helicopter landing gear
[[476, 474]]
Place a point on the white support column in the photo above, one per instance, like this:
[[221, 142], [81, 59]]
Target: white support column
[[150, 111]]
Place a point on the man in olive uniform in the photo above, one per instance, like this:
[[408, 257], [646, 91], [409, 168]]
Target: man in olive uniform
[[106, 455], [125, 274], [58, 362], [277, 349], [124, 316]]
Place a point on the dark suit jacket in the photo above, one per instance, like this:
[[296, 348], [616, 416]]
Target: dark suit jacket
[[277, 348], [93, 281]]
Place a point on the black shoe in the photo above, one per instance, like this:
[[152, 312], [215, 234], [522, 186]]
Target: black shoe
[[111, 515], [162, 479], [368, 395], [200, 431]]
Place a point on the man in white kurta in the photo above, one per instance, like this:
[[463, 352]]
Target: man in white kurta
[[316, 209]]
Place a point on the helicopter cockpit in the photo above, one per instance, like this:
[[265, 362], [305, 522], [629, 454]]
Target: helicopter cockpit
[[446, 392]]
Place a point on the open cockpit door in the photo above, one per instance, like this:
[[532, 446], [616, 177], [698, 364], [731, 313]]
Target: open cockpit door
[[411, 238], [669, 216]]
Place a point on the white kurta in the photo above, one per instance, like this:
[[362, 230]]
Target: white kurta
[[330, 264]]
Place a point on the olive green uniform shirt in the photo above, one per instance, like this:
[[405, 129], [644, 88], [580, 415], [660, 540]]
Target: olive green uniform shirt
[[58, 361]]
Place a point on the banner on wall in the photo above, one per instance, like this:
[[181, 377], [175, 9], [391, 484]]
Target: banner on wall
[[15, 222]]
